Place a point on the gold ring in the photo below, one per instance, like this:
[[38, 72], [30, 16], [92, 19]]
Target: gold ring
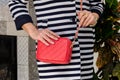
[[85, 15]]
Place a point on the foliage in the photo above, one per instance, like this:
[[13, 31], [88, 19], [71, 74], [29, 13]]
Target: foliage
[[105, 29], [107, 37]]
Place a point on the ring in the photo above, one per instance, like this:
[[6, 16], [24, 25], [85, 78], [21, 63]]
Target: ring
[[85, 14]]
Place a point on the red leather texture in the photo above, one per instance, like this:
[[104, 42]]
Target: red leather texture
[[58, 53]]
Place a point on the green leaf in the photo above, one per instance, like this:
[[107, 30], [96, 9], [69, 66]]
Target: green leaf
[[112, 4]]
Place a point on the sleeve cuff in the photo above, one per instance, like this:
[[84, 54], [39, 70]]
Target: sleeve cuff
[[21, 20]]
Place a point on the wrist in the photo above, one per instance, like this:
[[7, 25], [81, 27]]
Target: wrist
[[29, 28], [96, 17]]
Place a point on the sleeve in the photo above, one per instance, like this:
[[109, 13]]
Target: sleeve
[[19, 13], [97, 6]]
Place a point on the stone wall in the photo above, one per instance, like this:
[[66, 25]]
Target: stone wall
[[25, 46], [3, 27]]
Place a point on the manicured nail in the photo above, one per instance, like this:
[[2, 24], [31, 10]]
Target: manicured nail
[[47, 44], [56, 38], [52, 42]]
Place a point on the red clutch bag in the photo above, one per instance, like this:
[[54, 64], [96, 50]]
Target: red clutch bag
[[58, 53]]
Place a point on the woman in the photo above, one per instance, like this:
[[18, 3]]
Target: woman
[[60, 18]]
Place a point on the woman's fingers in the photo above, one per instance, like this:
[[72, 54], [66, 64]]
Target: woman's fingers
[[86, 18], [52, 35], [82, 15], [89, 21], [46, 36], [82, 20], [44, 41]]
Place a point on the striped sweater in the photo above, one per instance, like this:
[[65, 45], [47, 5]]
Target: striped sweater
[[60, 17]]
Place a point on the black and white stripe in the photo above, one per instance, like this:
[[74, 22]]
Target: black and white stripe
[[60, 17]]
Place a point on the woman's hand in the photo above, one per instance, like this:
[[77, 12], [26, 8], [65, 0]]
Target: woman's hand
[[87, 18], [46, 36]]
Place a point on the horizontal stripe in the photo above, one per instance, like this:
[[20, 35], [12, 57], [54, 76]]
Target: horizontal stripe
[[87, 72], [87, 61], [42, 70], [52, 65], [41, 66], [39, 17], [87, 77], [86, 51], [55, 10], [52, 73], [62, 75], [87, 57], [63, 27], [84, 45]]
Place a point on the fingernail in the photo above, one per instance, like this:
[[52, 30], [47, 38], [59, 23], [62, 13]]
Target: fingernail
[[56, 38], [47, 44], [52, 42]]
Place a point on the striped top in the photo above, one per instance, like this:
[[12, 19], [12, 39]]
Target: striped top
[[60, 17], [19, 11]]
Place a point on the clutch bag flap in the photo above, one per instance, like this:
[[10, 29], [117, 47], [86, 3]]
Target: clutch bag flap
[[58, 53]]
